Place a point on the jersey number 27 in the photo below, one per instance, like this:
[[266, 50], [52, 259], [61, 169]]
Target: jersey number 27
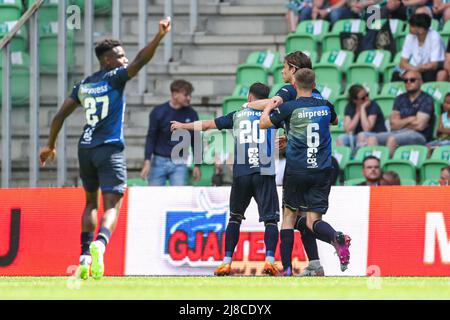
[[90, 106]]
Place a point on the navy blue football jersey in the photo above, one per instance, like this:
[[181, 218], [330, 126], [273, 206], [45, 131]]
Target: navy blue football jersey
[[103, 100], [254, 148], [307, 122]]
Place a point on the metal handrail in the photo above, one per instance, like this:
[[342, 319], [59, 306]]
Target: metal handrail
[[6, 99], [24, 19]]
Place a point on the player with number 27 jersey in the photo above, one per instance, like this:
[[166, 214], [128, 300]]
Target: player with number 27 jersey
[[101, 95]]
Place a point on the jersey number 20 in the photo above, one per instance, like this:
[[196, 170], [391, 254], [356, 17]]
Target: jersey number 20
[[90, 104], [247, 135]]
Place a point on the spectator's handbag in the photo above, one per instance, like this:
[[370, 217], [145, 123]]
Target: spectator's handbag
[[351, 41]]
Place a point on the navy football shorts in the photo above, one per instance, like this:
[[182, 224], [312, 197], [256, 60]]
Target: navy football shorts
[[307, 192], [103, 166], [263, 188]]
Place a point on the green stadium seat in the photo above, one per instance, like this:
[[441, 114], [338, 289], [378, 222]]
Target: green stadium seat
[[404, 168], [137, 182], [20, 40], [232, 103], [10, 10], [415, 154], [247, 74], [277, 74], [275, 88], [306, 36], [441, 153], [100, 6], [314, 28], [329, 91], [332, 65], [354, 182], [335, 132], [20, 86], [386, 104], [20, 77], [331, 40], [435, 24], [240, 91], [267, 59], [342, 155], [354, 167], [393, 89], [339, 106], [368, 66], [437, 90], [312, 55], [431, 169], [430, 182], [406, 160], [397, 26], [439, 159], [295, 42], [390, 67]]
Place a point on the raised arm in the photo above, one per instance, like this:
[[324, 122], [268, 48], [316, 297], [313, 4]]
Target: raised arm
[[201, 125], [147, 53], [49, 152]]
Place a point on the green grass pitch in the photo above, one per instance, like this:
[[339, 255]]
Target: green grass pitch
[[224, 288]]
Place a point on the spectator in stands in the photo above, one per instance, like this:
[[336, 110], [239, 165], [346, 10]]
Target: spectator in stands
[[444, 73], [443, 131], [444, 179], [371, 171], [412, 117], [158, 165], [362, 118], [298, 10], [332, 10], [360, 7], [441, 9], [423, 50], [402, 9], [390, 178]]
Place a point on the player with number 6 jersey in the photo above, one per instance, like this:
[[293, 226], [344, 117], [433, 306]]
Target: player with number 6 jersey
[[101, 145], [307, 180]]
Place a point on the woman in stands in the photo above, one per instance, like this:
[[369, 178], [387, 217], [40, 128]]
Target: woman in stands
[[363, 117]]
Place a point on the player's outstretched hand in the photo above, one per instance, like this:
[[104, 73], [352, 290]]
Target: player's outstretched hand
[[174, 125], [45, 154], [165, 25]]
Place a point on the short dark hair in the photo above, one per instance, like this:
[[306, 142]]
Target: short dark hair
[[369, 158], [391, 178], [305, 78], [105, 46], [181, 85], [259, 90], [420, 20], [354, 91], [298, 60], [446, 168]]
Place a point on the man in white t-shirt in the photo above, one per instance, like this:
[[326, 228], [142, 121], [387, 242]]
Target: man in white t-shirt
[[423, 50]]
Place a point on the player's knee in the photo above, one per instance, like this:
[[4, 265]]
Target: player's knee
[[270, 222], [301, 224], [235, 218], [310, 222]]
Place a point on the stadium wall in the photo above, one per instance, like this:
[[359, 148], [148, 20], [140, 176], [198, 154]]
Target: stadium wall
[[396, 231]]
